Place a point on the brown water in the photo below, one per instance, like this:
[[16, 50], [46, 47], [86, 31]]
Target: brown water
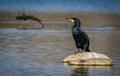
[[40, 52]]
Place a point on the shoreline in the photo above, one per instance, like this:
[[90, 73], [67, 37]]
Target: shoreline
[[7, 19]]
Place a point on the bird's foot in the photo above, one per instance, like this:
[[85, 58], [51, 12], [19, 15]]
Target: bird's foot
[[81, 51]]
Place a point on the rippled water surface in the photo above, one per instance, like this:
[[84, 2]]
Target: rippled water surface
[[40, 52]]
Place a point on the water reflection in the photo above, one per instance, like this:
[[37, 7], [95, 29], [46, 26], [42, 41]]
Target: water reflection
[[86, 70], [82, 71]]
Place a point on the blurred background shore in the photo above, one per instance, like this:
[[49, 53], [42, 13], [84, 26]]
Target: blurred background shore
[[8, 19]]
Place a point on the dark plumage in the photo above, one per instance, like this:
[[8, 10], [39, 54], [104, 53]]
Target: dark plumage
[[80, 37]]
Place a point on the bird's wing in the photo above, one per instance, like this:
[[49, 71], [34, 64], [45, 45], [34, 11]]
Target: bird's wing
[[85, 36]]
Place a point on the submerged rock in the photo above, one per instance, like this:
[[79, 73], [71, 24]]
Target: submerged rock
[[88, 58]]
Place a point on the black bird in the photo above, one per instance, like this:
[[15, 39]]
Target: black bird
[[80, 37]]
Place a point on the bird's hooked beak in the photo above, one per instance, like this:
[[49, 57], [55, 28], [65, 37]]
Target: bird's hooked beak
[[71, 20]]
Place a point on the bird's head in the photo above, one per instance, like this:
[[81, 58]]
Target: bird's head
[[73, 20], [76, 21]]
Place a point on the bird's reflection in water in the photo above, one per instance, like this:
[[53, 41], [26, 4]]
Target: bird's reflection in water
[[80, 71], [84, 70]]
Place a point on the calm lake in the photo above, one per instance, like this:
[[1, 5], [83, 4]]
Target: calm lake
[[40, 52]]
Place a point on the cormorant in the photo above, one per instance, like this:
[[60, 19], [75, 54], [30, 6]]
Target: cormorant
[[80, 37]]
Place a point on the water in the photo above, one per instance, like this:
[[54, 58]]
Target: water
[[40, 52], [61, 5]]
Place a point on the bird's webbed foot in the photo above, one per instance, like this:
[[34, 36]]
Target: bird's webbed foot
[[80, 51]]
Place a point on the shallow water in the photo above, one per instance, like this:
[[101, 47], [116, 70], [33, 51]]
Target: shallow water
[[40, 52]]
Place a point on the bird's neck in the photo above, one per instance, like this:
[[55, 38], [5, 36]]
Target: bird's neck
[[76, 25]]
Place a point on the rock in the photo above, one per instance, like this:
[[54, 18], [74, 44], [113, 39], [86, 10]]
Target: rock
[[88, 58]]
